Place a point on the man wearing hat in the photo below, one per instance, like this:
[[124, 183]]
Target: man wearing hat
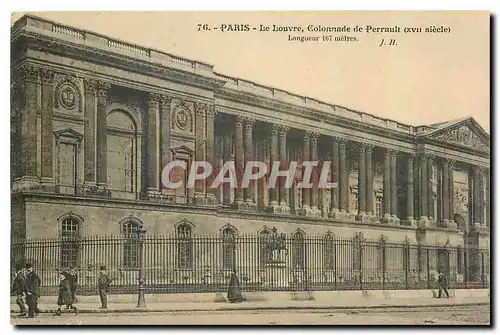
[[18, 289], [103, 284], [31, 288]]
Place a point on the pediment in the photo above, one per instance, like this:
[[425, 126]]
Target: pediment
[[467, 133], [68, 133]]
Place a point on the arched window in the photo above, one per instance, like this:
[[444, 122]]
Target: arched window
[[121, 152], [228, 248], [329, 252], [131, 244], [184, 246], [70, 242], [298, 250]]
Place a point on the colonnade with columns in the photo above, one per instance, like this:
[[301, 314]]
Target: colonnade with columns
[[245, 136]]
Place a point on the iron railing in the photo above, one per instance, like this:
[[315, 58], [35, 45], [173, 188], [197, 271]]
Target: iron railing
[[174, 264]]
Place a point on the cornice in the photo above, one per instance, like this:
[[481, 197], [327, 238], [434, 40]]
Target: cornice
[[116, 60]]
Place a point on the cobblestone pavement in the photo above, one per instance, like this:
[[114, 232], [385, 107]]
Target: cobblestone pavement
[[459, 315]]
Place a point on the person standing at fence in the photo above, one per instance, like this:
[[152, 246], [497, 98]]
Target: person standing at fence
[[442, 284], [73, 281], [103, 284], [65, 296], [32, 290], [234, 290], [18, 289]]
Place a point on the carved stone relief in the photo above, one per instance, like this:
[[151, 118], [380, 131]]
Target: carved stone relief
[[182, 117], [465, 137], [68, 93]]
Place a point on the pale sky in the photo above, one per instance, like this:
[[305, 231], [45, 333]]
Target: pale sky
[[426, 78]]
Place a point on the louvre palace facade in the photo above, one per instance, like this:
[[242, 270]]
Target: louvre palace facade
[[94, 120]]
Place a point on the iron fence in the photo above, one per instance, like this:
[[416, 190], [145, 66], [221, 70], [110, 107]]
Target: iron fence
[[272, 262]]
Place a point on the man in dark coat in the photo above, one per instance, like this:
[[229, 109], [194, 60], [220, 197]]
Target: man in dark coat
[[32, 289], [103, 284], [65, 297], [18, 289], [234, 291], [73, 281], [442, 284]]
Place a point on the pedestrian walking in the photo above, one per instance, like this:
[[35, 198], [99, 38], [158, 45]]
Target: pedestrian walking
[[65, 296], [17, 289], [103, 284], [234, 290], [442, 284], [32, 289], [73, 283]]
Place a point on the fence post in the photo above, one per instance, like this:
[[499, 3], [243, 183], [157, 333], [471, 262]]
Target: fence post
[[482, 270], [466, 265], [406, 261], [361, 245], [384, 265], [428, 270]]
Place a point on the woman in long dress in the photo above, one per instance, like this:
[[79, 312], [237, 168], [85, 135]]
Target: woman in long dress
[[65, 297], [234, 290]]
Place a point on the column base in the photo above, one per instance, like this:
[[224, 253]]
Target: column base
[[335, 214], [244, 206], [47, 185], [386, 218], [26, 183], [278, 209], [423, 222], [451, 224], [412, 222], [362, 217], [92, 189], [395, 220], [310, 212]]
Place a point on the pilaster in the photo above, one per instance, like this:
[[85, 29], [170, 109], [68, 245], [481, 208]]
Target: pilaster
[[101, 143], [410, 191], [335, 174], [47, 181]]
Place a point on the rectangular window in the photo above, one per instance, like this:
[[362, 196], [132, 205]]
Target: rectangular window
[[378, 207], [121, 159]]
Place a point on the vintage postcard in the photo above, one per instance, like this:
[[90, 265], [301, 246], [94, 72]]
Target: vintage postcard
[[272, 168]]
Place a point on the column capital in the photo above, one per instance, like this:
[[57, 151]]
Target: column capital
[[368, 146], [313, 136], [411, 155], [154, 100], [338, 140], [392, 152], [478, 169], [47, 76], [240, 120], [283, 130], [90, 84], [359, 147], [28, 72], [429, 157], [248, 123], [200, 108], [211, 111], [102, 88]]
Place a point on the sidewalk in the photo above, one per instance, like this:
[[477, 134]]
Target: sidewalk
[[270, 305]]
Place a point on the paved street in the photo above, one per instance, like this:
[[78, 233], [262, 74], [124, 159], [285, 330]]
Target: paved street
[[460, 315]]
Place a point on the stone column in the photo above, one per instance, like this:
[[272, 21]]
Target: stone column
[[28, 79], [451, 192], [201, 142], [89, 163], [250, 191], [361, 183], [102, 143], [273, 191], [446, 193], [409, 191], [387, 186], [343, 179], [306, 192], [226, 189], [210, 157], [153, 177], [369, 182], [423, 220], [261, 186], [47, 130], [315, 210], [394, 187], [239, 163], [430, 192], [335, 173], [284, 191], [488, 208], [476, 197]]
